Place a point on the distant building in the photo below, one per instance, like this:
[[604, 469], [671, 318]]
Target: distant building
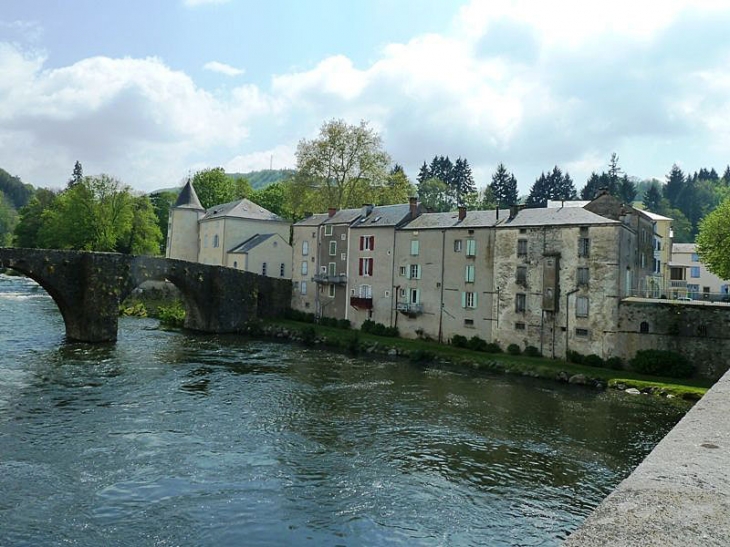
[[240, 234], [691, 279]]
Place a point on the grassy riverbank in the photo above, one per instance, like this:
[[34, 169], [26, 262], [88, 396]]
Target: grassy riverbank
[[538, 367]]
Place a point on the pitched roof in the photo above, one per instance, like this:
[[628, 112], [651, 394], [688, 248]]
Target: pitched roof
[[654, 216], [344, 216], [312, 220], [188, 199], [250, 243], [241, 209], [565, 216], [385, 215], [473, 219]]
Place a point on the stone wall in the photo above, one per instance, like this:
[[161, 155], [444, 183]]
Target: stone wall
[[700, 331]]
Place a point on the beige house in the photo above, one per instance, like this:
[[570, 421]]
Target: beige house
[[370, 271], [693, 279], [305, 249], [660, 284], [444, 279], [236, 234]]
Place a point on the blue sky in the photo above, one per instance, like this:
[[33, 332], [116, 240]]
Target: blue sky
[[151, 91]]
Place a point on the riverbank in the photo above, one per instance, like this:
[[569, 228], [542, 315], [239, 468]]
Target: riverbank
[[427, 352]]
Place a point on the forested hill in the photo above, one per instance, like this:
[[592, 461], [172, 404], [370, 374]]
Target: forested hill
[[15, 190], [261, 179]]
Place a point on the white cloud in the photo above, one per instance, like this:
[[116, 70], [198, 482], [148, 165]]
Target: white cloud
[[280, 157], [222, 68]]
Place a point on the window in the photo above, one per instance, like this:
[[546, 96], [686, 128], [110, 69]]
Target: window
[[367, 243], [468, 322], [305, 248], [365, 291], [521, 277], [584, 247], [332, 270], [304, 287], [644, 327], [702, 330], [343, 237], [519, 326], [263, 268], [282, 269], [305, 267], [583, 276], [235, 264], [694, 271], [331, 290], [343, 256], [676, 274], [582, 332], [520, 302], [386, 294], [643, 260], [402, 294], [469, 300], [695, 257], [521, 248], [328, 230], [333, 248], [457, 245], [469, 273], [414, 247], [415, 271], [216, 241], [366, 267], [323, 269], [471, 247], [415, 296], [403, 271], [581, 306]]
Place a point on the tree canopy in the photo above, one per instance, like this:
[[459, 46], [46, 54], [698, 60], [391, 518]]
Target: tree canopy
[[553, 186], [457, 176], [8, 219], [504, 187], [214, 187], [713, 241]]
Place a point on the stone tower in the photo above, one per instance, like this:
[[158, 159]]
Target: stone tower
[[183, 228]]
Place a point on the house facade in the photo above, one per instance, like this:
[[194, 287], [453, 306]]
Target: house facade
[[305, 241], [694, 280]]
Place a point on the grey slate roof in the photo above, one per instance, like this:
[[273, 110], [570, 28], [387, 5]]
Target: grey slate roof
[[344, 216], [188, 199], [565, 216], [313, 220], [473, 219], [241, 209], [250, 243], [385, 215]]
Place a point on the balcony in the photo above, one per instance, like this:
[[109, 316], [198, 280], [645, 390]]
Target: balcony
[[411, 310], [339, 279], [677, 284], [361, 303]]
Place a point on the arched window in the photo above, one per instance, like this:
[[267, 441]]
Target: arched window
[[216, 241], [235, 264], [644, 327]]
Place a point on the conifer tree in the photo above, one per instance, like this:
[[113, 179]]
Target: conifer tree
[[503, 187], [675, 187]]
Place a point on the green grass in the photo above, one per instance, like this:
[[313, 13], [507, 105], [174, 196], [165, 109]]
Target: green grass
[[540, 367]]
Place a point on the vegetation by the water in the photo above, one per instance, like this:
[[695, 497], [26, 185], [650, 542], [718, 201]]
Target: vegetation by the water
[[172, 315]]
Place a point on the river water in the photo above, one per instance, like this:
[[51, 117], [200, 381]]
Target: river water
[[171, 439]]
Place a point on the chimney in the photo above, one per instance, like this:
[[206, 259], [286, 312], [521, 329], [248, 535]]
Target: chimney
[[413, 202], [367, 208], [513, 210], [497, 212], [331, 211], [462, 213]]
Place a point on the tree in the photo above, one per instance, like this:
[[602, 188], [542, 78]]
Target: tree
[[713, 241], [144, 236], [553, 186], [8, 219], [31, 218], [675, 186], [653, 197], [503, 187], [214, 187], [162, 202], [726, 176], [17, 194], [462, 180], [273, 198], [627, 190], [340, 168], [424, 174], [77, 175], [397, 189], [434, 195]]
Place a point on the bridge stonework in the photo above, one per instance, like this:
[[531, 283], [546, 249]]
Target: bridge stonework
[[88, 288]]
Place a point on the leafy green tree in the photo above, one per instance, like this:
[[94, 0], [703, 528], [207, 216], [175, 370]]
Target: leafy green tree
[[8, 219], [553, 186], [31, 218], [682, 228], [397, 189], [273, 198], [144, 236], [162, 202], [653, 198], [434, 195], [214, 187], [343, 167], [17, 194], [713, 241], [504, 187]]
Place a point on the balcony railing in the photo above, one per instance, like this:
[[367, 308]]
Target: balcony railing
[[361, 303], [676, 284], [339, 279], [409, 309]]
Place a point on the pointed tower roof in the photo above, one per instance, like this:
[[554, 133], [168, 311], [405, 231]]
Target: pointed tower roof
[[188, 199]]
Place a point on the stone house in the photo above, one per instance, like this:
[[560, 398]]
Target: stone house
[[237, 235], [305, 251]]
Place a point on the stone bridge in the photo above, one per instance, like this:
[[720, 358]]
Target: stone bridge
[[88, 288]]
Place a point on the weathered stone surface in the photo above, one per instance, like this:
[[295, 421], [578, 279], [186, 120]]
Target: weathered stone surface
[[88, 287], [680, 494], [579, 379], [633, 391]]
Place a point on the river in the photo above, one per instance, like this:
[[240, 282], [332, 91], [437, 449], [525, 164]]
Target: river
[[167, 438]]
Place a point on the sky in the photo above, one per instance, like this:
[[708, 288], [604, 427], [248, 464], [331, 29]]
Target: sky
[[150, 92]]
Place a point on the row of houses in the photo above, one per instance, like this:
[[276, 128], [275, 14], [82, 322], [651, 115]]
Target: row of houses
[[552, 278]]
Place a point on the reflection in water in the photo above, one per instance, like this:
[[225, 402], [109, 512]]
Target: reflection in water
[[182, 440]]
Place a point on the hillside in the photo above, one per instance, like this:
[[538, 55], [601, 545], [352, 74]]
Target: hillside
[[261, 179]]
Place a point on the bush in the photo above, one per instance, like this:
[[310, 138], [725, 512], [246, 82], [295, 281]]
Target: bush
[[392, 332], [662, 363], [593, 360], [367, 326], [477, 344], [492, 347], [309, 335], [459, 341], [514, 349], [301, 316], [328, 321], [615, 363], [532, 351], [352, 344], [575, 357], [172, 316], [421, 356], [378, 329], [343, 324]]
